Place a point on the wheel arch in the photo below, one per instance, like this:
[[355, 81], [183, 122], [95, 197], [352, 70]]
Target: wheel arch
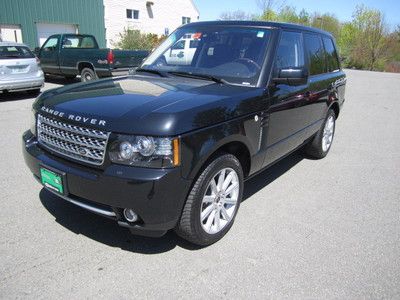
[[336, 108], [236, 145], [85, 64]]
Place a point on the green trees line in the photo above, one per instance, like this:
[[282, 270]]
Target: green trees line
[[365, 42]]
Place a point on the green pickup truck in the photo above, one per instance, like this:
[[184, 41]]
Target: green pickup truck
[[70, 55]]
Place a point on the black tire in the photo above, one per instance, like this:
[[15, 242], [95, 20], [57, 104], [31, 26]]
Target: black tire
[[87, 74], [315, 148], [189, 226], [34, 92]]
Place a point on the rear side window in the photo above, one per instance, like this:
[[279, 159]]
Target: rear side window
[[316, 53], [332, 60], [12, 52], [290, 52], [81, 42]]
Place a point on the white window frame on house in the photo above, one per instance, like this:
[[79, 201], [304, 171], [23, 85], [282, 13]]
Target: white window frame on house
[[134, 12], [186, 20]]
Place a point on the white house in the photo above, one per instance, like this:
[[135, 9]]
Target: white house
[[154, 16]]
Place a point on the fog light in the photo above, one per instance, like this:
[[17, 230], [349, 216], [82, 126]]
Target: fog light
[[130, 215]]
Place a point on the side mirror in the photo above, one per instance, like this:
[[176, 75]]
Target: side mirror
[[292, 76], [36, 50]]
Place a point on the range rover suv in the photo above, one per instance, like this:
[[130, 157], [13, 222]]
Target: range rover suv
[[170, 146]]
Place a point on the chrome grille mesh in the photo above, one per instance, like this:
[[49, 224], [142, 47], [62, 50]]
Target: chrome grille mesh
[[84, 144]]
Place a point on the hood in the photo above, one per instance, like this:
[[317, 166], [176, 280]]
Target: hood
[[149, 105]]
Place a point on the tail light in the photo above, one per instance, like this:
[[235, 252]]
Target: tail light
[[110, 57]]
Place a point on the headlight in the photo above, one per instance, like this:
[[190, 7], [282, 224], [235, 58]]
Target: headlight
[[145, 151], [33, 122]]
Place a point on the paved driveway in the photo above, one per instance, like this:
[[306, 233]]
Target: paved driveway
[[307, 228]]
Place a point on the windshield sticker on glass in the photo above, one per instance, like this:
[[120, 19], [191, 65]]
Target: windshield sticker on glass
[[210, 51], [260, 34]]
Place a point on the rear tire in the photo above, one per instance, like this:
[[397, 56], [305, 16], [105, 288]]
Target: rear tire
[[320, 145], [34, 92], [87, 74], [213, 202]]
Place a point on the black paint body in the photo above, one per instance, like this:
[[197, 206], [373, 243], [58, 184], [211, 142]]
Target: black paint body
[[260, 124]]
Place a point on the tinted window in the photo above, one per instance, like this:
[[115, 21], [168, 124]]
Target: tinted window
[[316, 54], [332, 60], [290, 51], [10, 52], [233, 53]]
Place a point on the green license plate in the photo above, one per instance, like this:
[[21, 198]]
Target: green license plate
[[52, 180]]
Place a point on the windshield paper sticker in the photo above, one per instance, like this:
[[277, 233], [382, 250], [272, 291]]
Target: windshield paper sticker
[[260, 34]]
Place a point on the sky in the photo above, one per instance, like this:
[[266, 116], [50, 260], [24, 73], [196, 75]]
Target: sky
[[343, 9]]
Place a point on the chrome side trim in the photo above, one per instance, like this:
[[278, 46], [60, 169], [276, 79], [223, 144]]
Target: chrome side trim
[[84, 205]]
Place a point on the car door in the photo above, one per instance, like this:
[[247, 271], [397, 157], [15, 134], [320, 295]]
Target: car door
[[319, 81], [49, 56], [288, 110]]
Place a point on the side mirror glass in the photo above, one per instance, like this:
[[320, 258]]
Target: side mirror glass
[[292, 76]]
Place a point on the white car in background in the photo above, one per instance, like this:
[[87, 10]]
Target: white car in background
[[19, 69], [182, 52]]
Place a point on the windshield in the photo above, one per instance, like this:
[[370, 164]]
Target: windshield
[[10, 52], [234, 54]]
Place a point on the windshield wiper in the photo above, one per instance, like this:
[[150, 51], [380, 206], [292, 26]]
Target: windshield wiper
[[199, 76], [152, 71]]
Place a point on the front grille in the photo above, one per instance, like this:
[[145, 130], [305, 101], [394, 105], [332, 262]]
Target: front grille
[[83, 144]]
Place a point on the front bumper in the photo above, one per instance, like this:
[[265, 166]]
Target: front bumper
[[156, 195], [22, 84]]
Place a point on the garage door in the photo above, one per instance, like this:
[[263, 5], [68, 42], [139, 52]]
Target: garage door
[[46, 30], [10, 33]]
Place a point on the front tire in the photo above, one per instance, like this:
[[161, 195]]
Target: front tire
[[213, 202], [87, 74], [320, 145]]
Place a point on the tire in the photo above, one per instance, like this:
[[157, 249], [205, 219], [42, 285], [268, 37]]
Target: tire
[[34, 92], [87, 74], [207, 199], [318, 147]]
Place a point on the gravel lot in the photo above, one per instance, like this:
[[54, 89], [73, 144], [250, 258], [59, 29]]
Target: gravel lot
[[307, 228]]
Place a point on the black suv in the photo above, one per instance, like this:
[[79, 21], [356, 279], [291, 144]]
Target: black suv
[[171, 145]]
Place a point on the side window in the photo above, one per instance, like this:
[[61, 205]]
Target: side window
[[331, 55], [51, 44], [290, 51], [78, 42], [179, 45], [316, 53]]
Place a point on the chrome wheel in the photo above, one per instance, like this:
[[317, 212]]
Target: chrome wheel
[[327, 136], [219, 201]]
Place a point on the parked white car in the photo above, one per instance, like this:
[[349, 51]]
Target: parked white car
[[19, 69]]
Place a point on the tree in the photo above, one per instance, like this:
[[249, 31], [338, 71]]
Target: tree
[[370, 37], [134, 39], [327, 22], [269, 8], [288, 14], [235, 15]]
